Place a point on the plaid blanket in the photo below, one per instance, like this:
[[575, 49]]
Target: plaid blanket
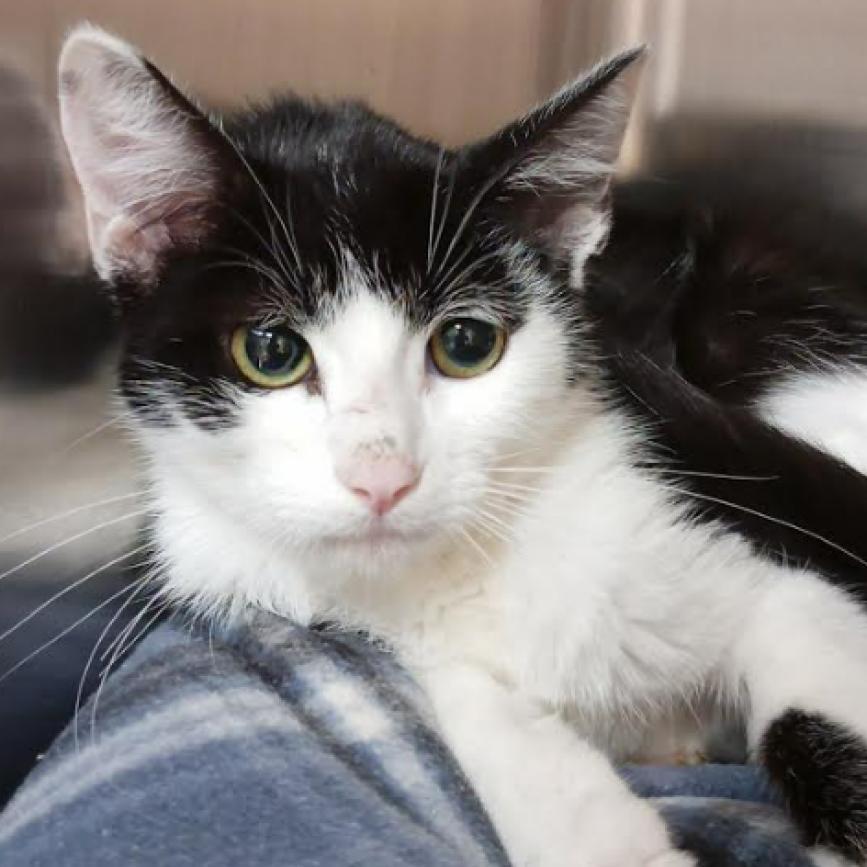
[[285, 746]]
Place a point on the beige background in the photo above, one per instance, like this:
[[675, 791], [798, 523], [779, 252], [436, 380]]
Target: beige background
[[457, 68], [450, 68]]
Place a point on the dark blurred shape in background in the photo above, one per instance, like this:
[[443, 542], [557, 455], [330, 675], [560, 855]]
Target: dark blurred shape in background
[[745, 103], [54, 323], [55, 328]]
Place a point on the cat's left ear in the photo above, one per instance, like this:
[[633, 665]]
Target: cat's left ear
[[149, 162], [548, 174]]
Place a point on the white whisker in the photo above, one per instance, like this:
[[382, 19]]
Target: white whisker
[[484, 554], [471, 208], [92, 433], [496, 519], [523, 469], [119, 647], [32, 655], [271, 247], [779, 521], [70, 539], [484, 522], [135, 586], [674, 471], [508, 507], [122, 647], [433, 208], [67, 514], [513, 486], [464, 274], [119, 637], [68, 589], [445, 214], [489, 531], [290, 236]]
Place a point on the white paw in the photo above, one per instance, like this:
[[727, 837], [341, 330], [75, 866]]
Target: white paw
[[627, 832], [610, 831], [826, 858], [673, 859]]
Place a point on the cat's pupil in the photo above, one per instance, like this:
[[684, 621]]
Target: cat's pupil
[[468, 341], [274, 350]]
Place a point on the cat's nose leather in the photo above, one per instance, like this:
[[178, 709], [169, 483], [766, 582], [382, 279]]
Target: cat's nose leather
[[381, 483]]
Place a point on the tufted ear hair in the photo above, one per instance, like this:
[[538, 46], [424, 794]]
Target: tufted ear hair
[[149, 163], [549, 172]]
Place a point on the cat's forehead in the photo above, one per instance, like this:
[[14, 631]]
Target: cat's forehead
[[365, 332], [339, 176], [346, 202]]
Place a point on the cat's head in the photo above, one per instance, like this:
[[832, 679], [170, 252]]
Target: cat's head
[[341, 342]]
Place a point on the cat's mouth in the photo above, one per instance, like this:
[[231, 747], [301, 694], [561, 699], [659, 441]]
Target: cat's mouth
[[378, 535]]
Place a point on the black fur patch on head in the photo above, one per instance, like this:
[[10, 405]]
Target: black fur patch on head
[[296, 205], [345, 182], [821, 769], [323, 191], [54, 327]]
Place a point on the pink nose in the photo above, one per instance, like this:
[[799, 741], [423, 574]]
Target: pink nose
[[381, 483]]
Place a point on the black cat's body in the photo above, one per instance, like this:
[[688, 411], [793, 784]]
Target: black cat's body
[[700, 315], [731, 294]]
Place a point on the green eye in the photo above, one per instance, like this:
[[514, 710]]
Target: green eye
[[273, 357], [463, 348]]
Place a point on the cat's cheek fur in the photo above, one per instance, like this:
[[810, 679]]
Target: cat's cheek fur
[[212, 490]]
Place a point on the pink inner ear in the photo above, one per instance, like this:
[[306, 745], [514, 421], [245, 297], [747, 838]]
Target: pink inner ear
[[148, 175], [134, 249]]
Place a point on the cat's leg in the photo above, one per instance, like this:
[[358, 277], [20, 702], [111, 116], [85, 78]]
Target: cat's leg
[[554, 799], [802, 655]]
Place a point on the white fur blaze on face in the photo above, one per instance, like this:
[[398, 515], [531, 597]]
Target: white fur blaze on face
[[265, 512], [375, 420]]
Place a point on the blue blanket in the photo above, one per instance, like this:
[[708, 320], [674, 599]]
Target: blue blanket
[[285, 746]]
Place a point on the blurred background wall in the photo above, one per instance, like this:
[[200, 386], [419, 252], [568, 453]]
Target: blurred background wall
[[723, 75], [768, 93]]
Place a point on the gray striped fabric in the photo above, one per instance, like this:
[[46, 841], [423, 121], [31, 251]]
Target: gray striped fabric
[[285, 746]]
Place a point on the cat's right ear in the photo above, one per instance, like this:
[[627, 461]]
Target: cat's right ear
[[149, 163]]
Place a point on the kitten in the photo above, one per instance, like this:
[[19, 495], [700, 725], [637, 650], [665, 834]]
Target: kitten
[[372, 390]]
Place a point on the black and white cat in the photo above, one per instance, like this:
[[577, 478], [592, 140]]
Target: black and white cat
[[374, 388]]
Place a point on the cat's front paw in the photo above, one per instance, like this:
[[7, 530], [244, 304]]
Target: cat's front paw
[[821, 768], [822, 857], [628, 833], [618, 831]]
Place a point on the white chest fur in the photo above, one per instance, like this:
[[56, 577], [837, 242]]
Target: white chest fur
[[608, 605]]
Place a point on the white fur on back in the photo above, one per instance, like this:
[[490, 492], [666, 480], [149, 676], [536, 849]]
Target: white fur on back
[[827, 409]]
